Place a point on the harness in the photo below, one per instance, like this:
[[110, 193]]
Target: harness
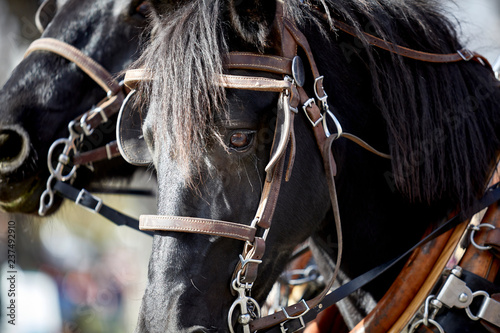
[[70, 159], [294, 99]]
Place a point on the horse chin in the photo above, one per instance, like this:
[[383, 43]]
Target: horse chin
[[22, 197]]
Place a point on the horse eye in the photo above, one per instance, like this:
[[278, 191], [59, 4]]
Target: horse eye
[[143, 9], [241, 140]]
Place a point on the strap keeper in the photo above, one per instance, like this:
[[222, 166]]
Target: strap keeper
[[109, 154], [101, 113], [288, 317], [81, 196]]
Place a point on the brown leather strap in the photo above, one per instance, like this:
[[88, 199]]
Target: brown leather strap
[[197, 225], [100, 114], [100, 75], [102, 153], [259, 62], [460, 55]]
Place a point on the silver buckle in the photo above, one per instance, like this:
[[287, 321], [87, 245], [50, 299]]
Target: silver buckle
[[84, 193], [308, 104], [466, 54], [87, 129], [285, 330]]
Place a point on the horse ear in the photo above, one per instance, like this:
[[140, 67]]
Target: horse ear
[[252, 19]]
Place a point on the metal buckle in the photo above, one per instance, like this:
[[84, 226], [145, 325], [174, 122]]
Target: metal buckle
[[466, 54], [285, 329], [322, 99], [84, 193], [308, 104], [298, 316], [87, 129]]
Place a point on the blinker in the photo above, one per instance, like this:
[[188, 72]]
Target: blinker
[[129, 135], [298, 72]]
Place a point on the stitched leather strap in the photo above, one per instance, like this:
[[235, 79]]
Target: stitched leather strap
[[100, 75], [197, 225], [259, 62]]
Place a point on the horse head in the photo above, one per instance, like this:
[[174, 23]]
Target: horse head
[[45, 91], [233, 127]]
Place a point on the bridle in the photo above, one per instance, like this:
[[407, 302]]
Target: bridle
[[292, 94], [70, 159]]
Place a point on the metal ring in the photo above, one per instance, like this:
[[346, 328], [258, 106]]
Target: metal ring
[[477, 293], [421, 321], [69, 146], [337, 124], [477, 228]]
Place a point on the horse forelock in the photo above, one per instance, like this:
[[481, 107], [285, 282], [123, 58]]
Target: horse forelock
[[185, 59]]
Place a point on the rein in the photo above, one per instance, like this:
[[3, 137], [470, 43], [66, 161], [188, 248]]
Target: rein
[[84, 125], [292, 318]]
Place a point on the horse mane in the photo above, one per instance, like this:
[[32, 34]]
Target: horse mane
[[441, 118]]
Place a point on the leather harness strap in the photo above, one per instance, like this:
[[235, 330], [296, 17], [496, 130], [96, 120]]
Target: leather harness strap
[[100, 75], [461, 55]]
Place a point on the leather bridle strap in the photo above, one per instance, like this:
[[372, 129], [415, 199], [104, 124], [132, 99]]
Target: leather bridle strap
[[461, 55], [83, 198], [100, 75], [198, 225], [107, 152]]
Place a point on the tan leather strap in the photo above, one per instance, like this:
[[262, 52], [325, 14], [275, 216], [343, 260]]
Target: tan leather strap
[[100, 75], [197, 225], [44, 14], [253, 83]]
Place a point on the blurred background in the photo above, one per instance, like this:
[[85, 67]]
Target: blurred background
[[78, 272]]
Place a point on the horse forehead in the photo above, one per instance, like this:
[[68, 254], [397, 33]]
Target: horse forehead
[[249, 106]]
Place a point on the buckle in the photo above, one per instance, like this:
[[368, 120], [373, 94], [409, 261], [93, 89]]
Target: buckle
[[285, 329], [81, 196], [308, 104], [87, 129], [466, 54], [318, 84]]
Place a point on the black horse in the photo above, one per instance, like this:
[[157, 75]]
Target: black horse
[[210, 145], [45, 92]]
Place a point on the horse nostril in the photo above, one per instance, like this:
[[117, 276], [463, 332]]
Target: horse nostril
[[14, 148]]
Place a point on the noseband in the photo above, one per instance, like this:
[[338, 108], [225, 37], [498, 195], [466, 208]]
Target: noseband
[[317, 111]]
